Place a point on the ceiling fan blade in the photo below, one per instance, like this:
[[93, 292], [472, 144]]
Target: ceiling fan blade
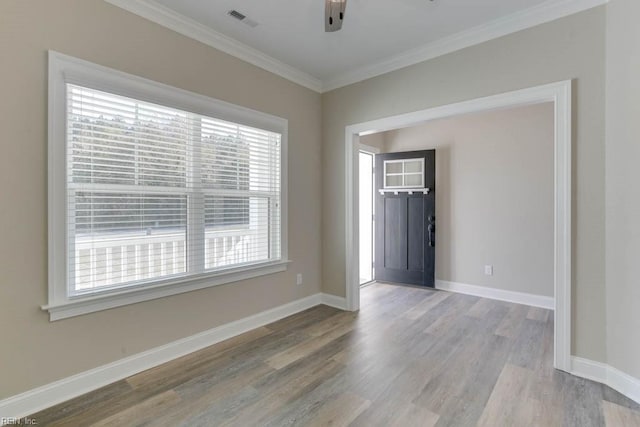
[[334, 14]]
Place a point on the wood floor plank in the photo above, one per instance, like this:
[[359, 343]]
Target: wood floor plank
[[143, 412], [373, 375], [467, 350], [275, 402], [481, 308], [321, 327], [352, 354], [538, 314], [290, 355], [82, 403], [217, 383], [397, 395], [548, 408], [505, 406], [199, 361], [414, 415], [511, 323], [388, 304], [340, 411], [583, 402], [103, 409], [213, 414], [544, 366], [613, 396], [303, 319], [617, 416], [427, 304], [461, 384], [527, 348], [461, 304], [279, 378], [480, 375]]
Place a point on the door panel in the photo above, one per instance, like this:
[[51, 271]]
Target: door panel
[[415, 223], [395, 233], [405, 223]]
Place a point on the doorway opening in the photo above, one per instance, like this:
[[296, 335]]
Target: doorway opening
[[366, 159], [557, 93]]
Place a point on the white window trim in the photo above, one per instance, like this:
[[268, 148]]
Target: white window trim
[[64, 69]]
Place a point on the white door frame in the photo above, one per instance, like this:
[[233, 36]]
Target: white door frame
[[560, 94]]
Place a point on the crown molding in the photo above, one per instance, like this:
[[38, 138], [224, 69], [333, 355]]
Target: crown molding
[[168, 18], [540, 14]]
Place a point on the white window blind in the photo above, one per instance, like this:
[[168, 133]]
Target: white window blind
[[155, 193]]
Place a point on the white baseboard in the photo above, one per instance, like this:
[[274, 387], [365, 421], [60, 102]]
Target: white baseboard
[[624, 383], [43, 397], [334, 301], [608, 375], [497, 294], [589, 369]]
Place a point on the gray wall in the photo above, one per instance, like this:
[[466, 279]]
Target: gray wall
[[494, 198], [35, 351], [623, 186], [568, 48]]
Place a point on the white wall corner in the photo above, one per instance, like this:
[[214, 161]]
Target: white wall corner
[[334, 301], [497, 294], [607, 375], [43, 397]]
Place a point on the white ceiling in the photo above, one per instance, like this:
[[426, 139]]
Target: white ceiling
[[375, 33]]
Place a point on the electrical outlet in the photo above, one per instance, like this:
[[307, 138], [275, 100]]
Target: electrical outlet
[[298, 279], [488, 270]]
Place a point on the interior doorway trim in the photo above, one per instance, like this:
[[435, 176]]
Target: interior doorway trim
[[560, 94]]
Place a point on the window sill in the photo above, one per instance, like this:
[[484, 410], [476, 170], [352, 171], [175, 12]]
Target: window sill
[[90, 304]]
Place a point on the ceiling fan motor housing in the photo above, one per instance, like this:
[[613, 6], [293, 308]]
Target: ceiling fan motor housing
[[334, 14]]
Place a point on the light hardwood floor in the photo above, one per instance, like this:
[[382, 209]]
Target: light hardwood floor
[[410, 357]]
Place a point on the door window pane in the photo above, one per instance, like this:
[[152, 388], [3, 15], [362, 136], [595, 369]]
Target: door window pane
[[394, 181], [413, 180], [405, 173], [413, 166]]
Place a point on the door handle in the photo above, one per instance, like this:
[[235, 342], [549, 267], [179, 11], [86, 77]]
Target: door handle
[[430, 231]]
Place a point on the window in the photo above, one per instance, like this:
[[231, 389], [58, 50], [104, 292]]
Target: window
[[155, 191], [404, 173]]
